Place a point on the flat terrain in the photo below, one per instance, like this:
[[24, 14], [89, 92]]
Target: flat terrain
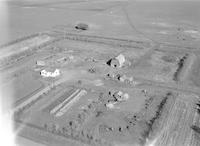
[[128, 76]]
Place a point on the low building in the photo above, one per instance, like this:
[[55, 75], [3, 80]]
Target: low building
[[120, 96], [110, 105], [53, 74], [61, 60], [40, 63], [124, 78], [117, 62], [65, 59], [81, 26]]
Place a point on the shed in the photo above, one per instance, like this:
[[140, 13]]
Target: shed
[[40, 63], [120, 96], [81, 26]]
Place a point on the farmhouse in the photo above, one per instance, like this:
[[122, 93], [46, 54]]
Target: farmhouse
[[53, 74]]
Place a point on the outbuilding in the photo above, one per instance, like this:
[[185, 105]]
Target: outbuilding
[[40, 63], [81, 26], [117, 61], [120, 96]]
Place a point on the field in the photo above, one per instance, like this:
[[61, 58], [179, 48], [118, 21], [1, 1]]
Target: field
[[177, 129], [24, 86], [130, 77], [163, 66], [24, 45]]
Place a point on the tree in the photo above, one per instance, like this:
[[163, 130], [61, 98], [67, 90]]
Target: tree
[[45, 126]]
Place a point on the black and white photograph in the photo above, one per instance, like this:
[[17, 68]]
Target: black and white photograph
[[100, 72]]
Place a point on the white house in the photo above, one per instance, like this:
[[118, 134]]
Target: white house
[[54, 74]]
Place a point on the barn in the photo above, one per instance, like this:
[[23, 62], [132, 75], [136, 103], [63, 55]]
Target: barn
[[117, 61]]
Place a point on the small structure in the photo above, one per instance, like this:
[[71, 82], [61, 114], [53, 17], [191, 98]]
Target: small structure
[[117, 62], [40, 63], [110, 105], [121, 78], [111, 75], [65, 59], [120, 96], [71, 57], [81, 26], [53, 74], [117, 96], [124, 78], [61, 60]]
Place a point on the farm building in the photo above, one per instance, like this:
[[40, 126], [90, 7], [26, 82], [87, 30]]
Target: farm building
[[124, 78], [40, 63], [53, 74], [65, 59], [120, 96], [61, 60], [81, 26], [117, 61]]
